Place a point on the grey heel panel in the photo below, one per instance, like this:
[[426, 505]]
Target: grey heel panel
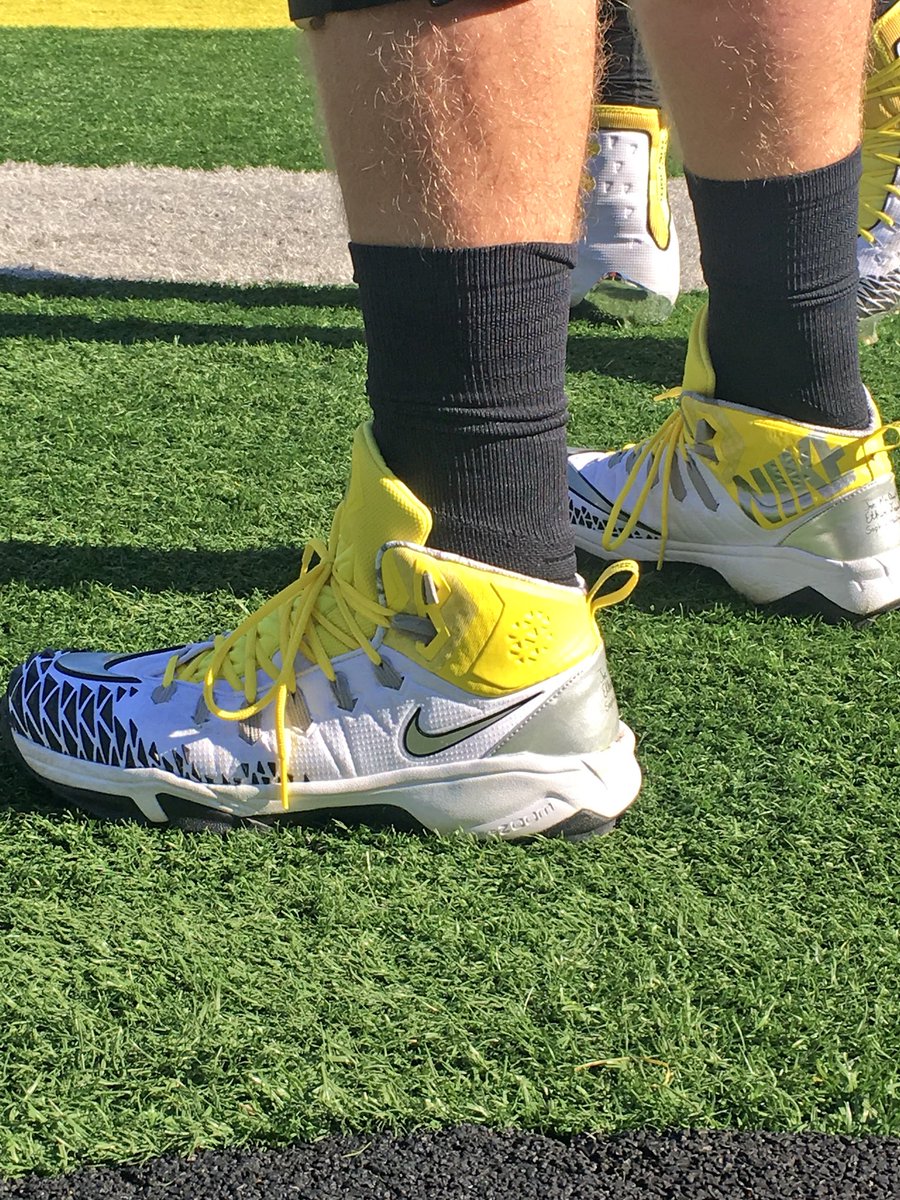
[[862, 524], [579, 718]]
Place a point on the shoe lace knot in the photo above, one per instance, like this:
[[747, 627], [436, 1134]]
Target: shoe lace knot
[[321, 606]]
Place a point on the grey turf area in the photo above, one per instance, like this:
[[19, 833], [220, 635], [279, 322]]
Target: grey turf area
[[470, 1162], [258, 225]]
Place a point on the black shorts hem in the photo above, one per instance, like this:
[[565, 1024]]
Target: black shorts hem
[[306, 10]]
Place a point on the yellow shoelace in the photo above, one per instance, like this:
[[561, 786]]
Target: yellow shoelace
[[288, 625], [284, 627], [880, 150], [672, 438]]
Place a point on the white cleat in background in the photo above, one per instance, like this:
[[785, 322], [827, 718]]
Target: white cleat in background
[[628, 256]]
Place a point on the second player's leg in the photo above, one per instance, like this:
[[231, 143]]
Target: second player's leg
[[628, 255], [774, 469]]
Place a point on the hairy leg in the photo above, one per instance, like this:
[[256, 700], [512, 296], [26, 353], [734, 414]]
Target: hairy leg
[[759, 88], [456, 126]]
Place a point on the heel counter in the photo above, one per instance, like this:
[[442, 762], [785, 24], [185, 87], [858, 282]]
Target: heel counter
[[581, 717], [864, 522]]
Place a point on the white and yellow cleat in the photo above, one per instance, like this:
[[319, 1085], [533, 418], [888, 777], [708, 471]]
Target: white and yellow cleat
[[878, 246], [390, 683], [787, 513], [628, 256]]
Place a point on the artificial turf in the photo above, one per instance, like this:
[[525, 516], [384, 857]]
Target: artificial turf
[[728, 958], [161, 97], [170, 97]]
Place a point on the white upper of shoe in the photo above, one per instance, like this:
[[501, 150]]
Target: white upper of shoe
[[700, 510], [374, 722], [616, 236]]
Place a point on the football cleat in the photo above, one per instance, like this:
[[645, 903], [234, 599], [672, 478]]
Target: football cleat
[[389, 683], [878, 245], [800, 515], [628, 256]]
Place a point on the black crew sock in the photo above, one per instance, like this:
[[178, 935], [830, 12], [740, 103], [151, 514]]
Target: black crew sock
[[627, 77], [467, 356], [779, 257]]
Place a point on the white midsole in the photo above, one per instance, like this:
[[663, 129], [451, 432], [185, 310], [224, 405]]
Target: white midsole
[[768, 573], [507, 795]]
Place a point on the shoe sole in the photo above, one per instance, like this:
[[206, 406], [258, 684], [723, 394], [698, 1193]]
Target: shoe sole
[[573, 799], [791, 580], [626, 301]]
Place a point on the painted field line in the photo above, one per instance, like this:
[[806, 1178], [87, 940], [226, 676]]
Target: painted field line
[[256, 225], [147, 14]]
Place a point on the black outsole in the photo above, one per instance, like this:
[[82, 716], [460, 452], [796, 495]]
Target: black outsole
[[192, 817]]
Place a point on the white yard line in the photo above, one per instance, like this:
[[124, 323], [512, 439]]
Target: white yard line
[[256, 225]]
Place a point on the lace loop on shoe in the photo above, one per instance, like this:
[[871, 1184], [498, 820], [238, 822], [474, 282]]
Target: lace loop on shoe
[[598, 598], [256, 646]]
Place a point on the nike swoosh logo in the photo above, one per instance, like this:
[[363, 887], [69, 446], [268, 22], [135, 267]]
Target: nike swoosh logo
[[421, 743], [102, 668], [91, 665]]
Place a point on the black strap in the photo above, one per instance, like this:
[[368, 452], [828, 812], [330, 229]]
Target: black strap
[[303, 10]]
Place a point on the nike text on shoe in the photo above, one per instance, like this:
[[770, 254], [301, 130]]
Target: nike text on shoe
[[787, 513], [389, 682], [628, 257], [878, 246]]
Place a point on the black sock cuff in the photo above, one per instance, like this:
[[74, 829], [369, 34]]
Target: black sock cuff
[[477, 313], [748, 224]]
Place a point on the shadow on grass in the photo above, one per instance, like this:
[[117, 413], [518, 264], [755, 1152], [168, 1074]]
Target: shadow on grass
[[243, 572], [679, 587], [49, 284], [642, 358], [655, 360], [132, 330], [128, 330], [66, 566]]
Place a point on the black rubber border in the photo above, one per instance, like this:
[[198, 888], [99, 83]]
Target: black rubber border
[[472, 1162]]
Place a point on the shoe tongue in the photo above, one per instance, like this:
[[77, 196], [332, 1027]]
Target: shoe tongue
[[699, 375], [377, 508]]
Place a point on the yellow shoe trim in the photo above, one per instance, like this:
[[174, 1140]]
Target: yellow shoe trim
[[494, 632], [800, 468], [655, 123], [881, 125]]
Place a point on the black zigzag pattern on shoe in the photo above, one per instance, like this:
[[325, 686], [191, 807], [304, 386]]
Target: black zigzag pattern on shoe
[[77, 721]]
